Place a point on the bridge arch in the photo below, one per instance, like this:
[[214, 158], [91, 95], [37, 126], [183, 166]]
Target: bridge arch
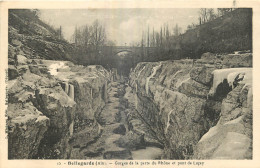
[[120, 51]]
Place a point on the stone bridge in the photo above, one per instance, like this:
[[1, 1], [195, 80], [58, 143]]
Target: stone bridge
[[114, 50]]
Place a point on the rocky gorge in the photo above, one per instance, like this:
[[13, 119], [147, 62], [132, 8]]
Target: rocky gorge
[[174, 109], [182, 109], [197, 109], [44, 111]]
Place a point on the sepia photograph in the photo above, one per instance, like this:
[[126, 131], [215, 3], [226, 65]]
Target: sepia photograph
[[147, 83]]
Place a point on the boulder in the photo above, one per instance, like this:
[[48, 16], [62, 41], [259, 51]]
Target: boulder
[[16, 42], [231, 138], [27, 127], [208, 56], [22, 69], [36, 103], [11, 61], [193, 88], [120, 129], [21, 60], [12, 72], [11, 51], [225, 142], [238, 60], [34, 69], [131, 141], [202, 74]]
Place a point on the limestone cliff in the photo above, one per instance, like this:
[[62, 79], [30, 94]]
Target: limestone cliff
[[44, 103], [50, 103], [173, 98], [231, 138]]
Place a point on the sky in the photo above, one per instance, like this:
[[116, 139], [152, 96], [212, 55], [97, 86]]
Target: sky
[[123, 26]]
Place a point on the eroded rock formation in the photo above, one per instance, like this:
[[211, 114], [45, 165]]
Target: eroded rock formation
[[173, 98], [47, 107]]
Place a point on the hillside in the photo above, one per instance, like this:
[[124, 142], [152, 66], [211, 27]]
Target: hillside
[[231, 32], [30, 37], [226, 34]]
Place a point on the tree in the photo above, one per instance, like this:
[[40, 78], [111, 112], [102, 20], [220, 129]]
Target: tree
[[167, 36], [223, 11], [161, 37], [89, 40], [176, 30], [206, 14], [59, 31], [211, 14], [142, 46], [167, 33], [189, 27], [157, 39], [98, 35], [76, 36], [148, 40], [203, 14], [36, 13], [86, 36], [164, 30], [153, 39]]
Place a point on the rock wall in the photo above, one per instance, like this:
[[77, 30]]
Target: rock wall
[[52, 105], [173, 99], [231, 138], [49, 104], [39, 115]]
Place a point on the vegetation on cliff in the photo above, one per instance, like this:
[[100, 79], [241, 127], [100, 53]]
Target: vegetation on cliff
[[32, 38], [229, 32]]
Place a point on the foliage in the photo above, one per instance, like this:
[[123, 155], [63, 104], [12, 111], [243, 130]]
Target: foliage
[[38, 39], [228, 31], [92, 45]]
